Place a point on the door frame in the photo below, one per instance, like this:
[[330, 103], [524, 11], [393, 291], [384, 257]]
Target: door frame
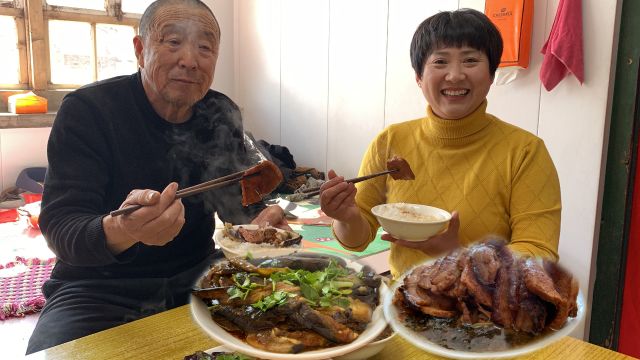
[[611, 259]]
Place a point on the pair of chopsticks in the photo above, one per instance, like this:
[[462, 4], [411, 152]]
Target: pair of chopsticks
[[315, 191], [192, 190]]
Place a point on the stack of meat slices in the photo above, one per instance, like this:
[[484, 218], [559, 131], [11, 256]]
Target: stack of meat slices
[[487, 282]]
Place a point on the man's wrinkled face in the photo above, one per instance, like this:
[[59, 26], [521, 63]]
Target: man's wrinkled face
[[178, 56]]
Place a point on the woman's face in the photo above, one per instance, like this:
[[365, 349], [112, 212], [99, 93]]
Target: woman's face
[[455, 81]]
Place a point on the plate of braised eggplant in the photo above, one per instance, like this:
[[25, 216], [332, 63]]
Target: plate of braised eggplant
[[298, 306], [484, 301]]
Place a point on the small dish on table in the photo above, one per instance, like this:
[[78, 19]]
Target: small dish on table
[[256, 241]]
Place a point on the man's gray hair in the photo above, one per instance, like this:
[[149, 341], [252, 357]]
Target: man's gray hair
[[149, 14]]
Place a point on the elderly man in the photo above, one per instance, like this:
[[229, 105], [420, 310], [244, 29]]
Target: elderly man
[[119, 142]]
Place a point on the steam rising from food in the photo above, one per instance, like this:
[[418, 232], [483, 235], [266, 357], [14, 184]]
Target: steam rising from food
[[212, 144]]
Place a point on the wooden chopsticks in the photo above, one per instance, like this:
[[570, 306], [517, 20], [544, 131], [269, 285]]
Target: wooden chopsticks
[[192, 190], [316, 191]]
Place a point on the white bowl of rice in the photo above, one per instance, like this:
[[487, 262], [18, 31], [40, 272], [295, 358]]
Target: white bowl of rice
[[233, 246], [412, 222]]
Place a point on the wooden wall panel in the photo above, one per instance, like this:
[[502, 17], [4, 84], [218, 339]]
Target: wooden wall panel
[[257, 58], [224, 80], [304, 86], [404, 99], [574, 122], [524, 91], [357, 66]]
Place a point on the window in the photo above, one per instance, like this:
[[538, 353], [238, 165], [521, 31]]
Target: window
[[63, 44]]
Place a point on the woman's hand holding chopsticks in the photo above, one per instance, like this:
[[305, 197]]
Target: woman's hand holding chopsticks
[[338, 200], [158, 220]]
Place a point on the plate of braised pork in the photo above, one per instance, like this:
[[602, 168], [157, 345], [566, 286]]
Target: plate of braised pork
[[483, 302], [298, 306], [256, 241]]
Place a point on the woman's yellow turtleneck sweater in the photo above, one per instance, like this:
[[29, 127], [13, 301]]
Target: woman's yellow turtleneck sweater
[[500, 179]]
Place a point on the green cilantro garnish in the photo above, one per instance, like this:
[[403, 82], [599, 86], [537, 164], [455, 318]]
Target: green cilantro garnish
[[276, 298], [320, 288], [243, 286], [325, 288]]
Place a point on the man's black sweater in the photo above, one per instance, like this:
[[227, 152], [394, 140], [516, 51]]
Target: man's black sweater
[[106, 141]]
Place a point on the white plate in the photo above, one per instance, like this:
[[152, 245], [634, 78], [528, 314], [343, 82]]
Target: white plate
[[202, 316], [232, 247], [391, 314]]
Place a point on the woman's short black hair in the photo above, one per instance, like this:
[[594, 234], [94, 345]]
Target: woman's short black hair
[[464, 27]]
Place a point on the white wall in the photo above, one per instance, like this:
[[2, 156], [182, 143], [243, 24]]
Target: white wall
[[19, 149], [322, 78], [224, 76]]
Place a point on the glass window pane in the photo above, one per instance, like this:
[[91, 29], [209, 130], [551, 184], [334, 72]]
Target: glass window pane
[[70, 52], [135, 6], [10, 59], [80, 4], [116, 55]]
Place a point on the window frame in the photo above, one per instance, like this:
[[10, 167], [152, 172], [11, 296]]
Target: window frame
[[15, 9], [32, 23]]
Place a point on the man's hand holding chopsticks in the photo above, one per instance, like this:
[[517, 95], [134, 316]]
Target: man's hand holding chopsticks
[[156, 223]]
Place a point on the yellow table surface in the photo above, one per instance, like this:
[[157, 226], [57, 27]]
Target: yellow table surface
[[173, 334]]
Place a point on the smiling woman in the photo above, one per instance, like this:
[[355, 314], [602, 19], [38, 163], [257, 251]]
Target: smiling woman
[[480, 169]]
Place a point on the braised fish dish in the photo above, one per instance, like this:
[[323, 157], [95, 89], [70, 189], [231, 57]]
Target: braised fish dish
[[293, 303]]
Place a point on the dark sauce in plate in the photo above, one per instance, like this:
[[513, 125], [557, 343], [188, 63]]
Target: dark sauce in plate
[[452, 334]]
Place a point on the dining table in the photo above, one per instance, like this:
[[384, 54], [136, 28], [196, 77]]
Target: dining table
[[174, 334]]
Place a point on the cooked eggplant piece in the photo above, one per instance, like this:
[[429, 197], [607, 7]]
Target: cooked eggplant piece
[[299, 261]]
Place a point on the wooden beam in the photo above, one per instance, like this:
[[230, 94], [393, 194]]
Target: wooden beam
[[91, 18], [9, 11], [23, 50], [37, 43], [611, 260]]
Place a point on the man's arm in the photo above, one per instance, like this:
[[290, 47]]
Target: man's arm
[[74, 190]]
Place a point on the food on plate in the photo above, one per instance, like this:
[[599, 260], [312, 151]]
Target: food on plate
[[293, 303], [485, 298], [265, 235], [404, 170], [259, 181], [408, 212], [217, 355]]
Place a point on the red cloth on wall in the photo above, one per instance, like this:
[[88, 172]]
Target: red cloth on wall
[[563, 53], [630, 320]]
